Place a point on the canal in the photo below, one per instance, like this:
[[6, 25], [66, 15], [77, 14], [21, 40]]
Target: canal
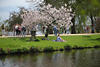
[[74, 58]]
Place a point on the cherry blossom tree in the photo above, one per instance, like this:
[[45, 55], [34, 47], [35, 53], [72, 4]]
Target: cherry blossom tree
[[48, 15]]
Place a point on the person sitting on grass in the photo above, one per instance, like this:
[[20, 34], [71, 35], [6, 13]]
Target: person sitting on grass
[[59, 39]]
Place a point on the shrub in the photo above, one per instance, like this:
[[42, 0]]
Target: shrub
[[33, 49], [8, 50], [25, 50], [61, 49], [77, 47], [67, 47], [12, 51], [97, 46], [19, 51], [2, 51], [48, 49]]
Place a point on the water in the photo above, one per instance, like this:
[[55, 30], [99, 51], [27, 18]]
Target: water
[[74, 58]]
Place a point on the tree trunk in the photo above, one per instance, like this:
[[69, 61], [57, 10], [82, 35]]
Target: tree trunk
[[92, 24], [73, 31]]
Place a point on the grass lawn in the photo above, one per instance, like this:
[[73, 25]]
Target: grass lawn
[[79, 40]]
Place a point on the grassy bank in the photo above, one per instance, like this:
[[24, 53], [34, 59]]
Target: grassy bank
[[15, 45]]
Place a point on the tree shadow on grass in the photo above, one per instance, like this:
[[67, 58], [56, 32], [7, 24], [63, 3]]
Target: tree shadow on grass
[[97, 39], [87, 36], [36, 40], [27, 39], [23, 39]]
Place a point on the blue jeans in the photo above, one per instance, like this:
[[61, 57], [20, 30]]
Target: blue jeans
[[55, 32]]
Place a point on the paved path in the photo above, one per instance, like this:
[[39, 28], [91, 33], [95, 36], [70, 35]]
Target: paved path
[[52, 35]]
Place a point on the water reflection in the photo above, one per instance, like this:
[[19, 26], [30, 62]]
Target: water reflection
[[75, 58]]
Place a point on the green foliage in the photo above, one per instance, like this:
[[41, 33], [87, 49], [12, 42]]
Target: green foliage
[[48, 49], [67, 47], [25, 50], [56, 3], [2, 26], [34, 49], [2, 51], [15, 18], [82, 8], [11, 51]]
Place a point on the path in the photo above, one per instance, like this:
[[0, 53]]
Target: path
[[51, 35]]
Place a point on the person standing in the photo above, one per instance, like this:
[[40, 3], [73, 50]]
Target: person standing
[[67, 30], [55, 30], [16, 29], [19, 30], [46, 32], [23, 31], [43, 29], [33, 33], [3, 29]]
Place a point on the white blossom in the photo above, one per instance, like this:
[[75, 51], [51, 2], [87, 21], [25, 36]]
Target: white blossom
[[47, 15]]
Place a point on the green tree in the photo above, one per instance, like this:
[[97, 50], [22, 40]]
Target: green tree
[[15, 18], [58, 4], [91, 9], [81, 8]]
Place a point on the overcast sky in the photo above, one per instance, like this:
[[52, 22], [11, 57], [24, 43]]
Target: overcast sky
[[7, 6]]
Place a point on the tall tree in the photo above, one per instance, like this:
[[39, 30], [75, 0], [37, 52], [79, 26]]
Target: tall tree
[[47, 15], [15, 18], [81, 8]]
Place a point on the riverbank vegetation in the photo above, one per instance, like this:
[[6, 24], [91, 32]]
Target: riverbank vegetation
[[15, 45]]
